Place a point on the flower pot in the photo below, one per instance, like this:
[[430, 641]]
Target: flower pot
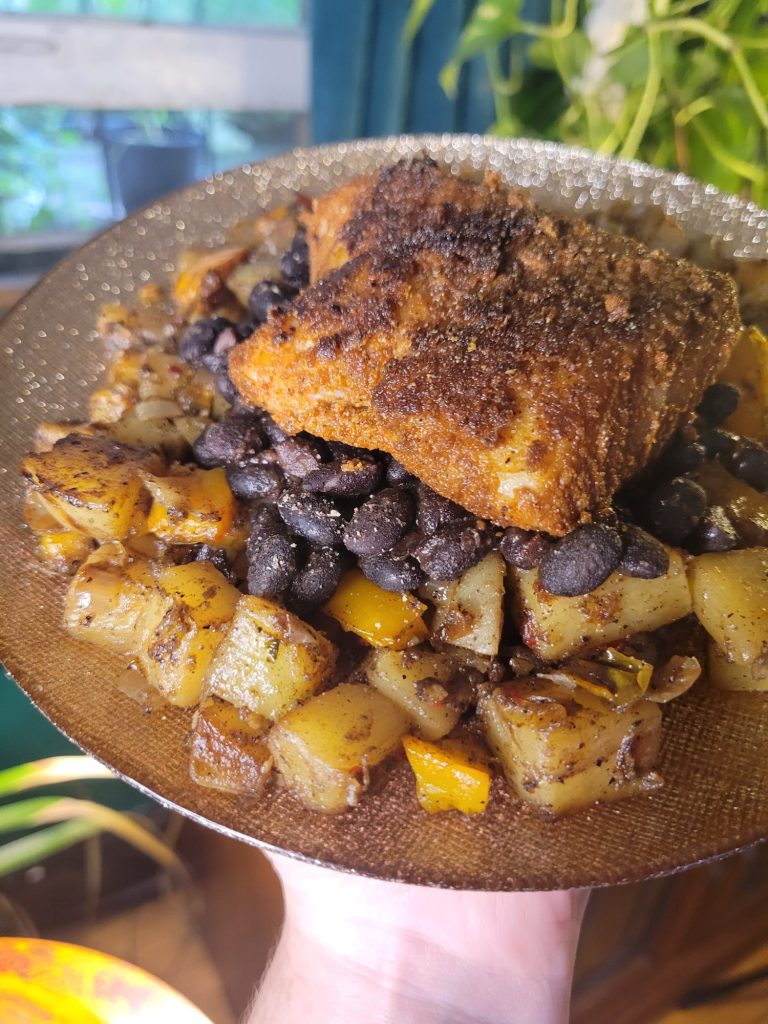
[[142, 166]]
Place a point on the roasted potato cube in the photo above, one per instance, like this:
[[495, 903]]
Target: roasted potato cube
[[417, 680], [209, 596], [38, 513], [47, 434], [202, 272], [325, 748], [730, 599], [733, 675], [92, 484], [382, 618], [746, 507], [469, 611], [159, 433], [113, 600], [748, 369], [176, 655], [63, 550], [197, 507], [450, 776], [228, 749], [562, 749], [270, 659], [623, 605]]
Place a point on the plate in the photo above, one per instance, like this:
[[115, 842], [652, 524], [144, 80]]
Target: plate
[[715, 750]]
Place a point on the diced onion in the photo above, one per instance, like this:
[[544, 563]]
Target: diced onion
[[157, 409]]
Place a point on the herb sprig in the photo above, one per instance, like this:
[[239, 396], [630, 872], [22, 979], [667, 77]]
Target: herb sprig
[[677, 83]]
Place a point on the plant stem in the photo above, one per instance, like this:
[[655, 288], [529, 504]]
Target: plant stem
[[691, 26], [559, 31], [693, 109], [647, 101], [743, 168], [22, 853]]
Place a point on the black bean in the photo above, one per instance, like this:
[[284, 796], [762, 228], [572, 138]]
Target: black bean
[[339, 450], [312, 517], [749, 462], [644, 556], [454, 549], [266, 296], [216, 556], [294, 264], [675, 508], [579, 562], [398, 475], [272, 555], [245, 329], [345, 478], [719, 401], [299, 455], [523, 548], [318, 580], [395, 574], [216, 362], [715, 532], [270, 429], [717, 441], [680, 458], [253, 481], [435, 511], [226, 388], [199, 338], [230, 440], [379, 522]]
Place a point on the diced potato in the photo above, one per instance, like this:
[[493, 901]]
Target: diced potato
[[177, 654], [752, 279], [47, 434], [38, 514], [620, 607], [469, 611], [325, 748], [730, 599], [200, 270], [107, 405], [162, 375], [92, 484], [382, 618], [113, 600], [270, 659], [159, 433], [449, 776], [228, 749], [62, 550], [748, 369], [245, 276], [195, 508], [562, 749], [746, 507], [209, 596], [414, 680], [121, 328], [733, 675]]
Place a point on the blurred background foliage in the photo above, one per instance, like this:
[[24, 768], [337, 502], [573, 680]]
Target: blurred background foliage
[[678, 83]]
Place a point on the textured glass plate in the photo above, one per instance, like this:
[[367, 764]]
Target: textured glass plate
[[715, 754]]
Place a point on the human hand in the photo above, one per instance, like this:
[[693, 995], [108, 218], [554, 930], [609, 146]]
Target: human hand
[[358, 950]]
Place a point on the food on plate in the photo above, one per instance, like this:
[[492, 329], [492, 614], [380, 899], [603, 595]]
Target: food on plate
[[418, 472], [523, 366]]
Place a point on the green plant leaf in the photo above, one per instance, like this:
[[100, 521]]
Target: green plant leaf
[[28, 850], [49, 771], [491, 22], [416, 18]]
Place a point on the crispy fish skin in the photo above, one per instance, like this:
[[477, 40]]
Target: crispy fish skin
[[522, 365]]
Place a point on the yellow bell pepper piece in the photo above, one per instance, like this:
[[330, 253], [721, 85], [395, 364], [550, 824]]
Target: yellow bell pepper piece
[[448, 776], [383, 618], [210, 598], [192, 509]]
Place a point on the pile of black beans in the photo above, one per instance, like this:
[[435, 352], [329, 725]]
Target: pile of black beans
[[317, 508]]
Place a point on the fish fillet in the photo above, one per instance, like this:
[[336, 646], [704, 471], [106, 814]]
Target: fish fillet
[[522, 365]]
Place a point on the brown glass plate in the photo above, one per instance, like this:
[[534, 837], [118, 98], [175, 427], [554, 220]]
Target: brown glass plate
[[715, 754]]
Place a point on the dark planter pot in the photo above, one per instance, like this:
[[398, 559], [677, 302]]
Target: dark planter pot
[[140, 167]]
